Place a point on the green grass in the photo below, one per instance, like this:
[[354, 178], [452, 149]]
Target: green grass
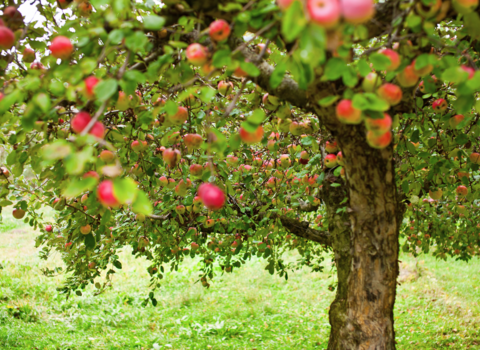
[[437, 307]]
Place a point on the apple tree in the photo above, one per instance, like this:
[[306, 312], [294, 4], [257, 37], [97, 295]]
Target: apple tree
[[224, 130]]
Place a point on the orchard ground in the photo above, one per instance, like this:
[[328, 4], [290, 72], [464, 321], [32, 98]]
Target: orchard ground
[[437, 306]]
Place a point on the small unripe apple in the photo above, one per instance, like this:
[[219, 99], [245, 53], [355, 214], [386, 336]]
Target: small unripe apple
[[180, 209], [462, 190], [225, 87], [219, 30], [371, 82], [107, 156], [139, 146], [61, 47], [340, 159], [436, 195], [28, 55], [85, 230], [331, 147], [209, 223], [196, 170], [18, 213]]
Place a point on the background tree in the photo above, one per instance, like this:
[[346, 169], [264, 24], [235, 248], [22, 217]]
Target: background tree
[[231, 129]]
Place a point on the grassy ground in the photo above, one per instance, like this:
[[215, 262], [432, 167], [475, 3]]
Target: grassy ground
[[437, 307]]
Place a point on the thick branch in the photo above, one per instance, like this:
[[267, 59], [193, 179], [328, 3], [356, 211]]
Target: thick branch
[[301, 229]]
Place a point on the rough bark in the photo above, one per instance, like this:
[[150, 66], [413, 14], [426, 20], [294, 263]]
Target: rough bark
[[373, 213]]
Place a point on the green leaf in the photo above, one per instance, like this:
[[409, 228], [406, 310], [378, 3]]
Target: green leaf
[[379, 61], [350, 77], [125, 190], [277, 75], [461, 139], [142, 204], [42, 101], [415, 136], [79, 186], [334, 68], [106, 89], [363, 67], [137, 42], [257, 117], [75, 162], [250, 69], [293, 22], [56, 150], [221, 58], [153, 22], [370, 101], [90, 241], [171, 107], [249, 126], [328, 101]]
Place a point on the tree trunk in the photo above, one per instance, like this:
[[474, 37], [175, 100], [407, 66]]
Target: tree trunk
[[365, 243]]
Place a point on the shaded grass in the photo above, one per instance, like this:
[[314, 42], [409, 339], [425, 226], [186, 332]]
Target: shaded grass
[[247, 309]]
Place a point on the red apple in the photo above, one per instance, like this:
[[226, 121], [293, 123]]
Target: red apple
[[379, 141], [394, 59], [325, 13], [192, 141], [196, 170], [439, 105], [171, 157], [340, 159], [219, 30], [357, 11], [49, 228], [462, 190], [348, 114], [91, 173], [61, 47], [331, 160], [106, 195], [469, 70], [251, 137], [139, 146], [90, 84], [390, 93], [197, 54], [212, 197], [7, 38], [379, 126]]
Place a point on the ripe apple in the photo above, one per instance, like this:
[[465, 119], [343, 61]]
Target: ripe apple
[[225, 87], [97, 130], [194, 246], [422, 71], [348, 114], [455, 120], [331, 146], [28, 55], [139, 146], [284, 161], [209, 223], [49, 228], [394, 59], [192, 141], [219, 30], [331, 160], [61, 47], [7, 38], [180, 117], [407, 77], [107, 156], [436, 195], [197, 54], [18, 213], [357, 11], [379, 141], [295, 128], [80, 122], [212, 197], [325, 13], [163, 181], [171, 157], [196, 170], [390, 93], [106, 195], [379, 126], [90, 84], [251, 137], [85, 230], [475, 158], [371, 82], [462, 190], [304, 157], [439, 105]]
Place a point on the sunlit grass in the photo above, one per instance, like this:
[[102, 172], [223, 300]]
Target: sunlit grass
[[437, 308]]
